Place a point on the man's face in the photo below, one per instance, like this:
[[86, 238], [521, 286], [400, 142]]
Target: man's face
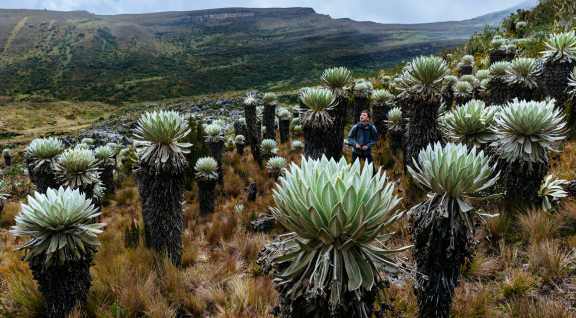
[[364, 118]]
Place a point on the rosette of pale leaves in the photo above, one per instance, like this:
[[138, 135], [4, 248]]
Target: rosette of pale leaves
[[297, 145], [269, 99], [449, 81], [572, 83], [337, 214], [482, 75], [560, 47], [88, 141], [251, 99], [213, 133], [206, 169], [470, 123], [423, 77], [524, 71], [3, 190], [499, 69], [395, 119], [104, 155], [43, 152], [382, 97], [363, 88], [61, 226], [318, 101], [276, 165], [158, 138], [77, 168], [454, 172], [470, 79], [240, 140], [337, 78], [468, 60], [551, 191], [269, 147], [527, 131], [462, 89], [284, 114]]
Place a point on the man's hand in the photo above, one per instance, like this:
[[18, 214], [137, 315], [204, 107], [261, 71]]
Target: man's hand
[[364, 147], [358, 146]]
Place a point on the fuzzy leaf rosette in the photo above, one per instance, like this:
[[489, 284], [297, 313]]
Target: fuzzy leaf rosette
[[43, 152]]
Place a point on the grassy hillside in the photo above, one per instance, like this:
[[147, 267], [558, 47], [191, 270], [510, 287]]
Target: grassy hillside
[[78, 55]]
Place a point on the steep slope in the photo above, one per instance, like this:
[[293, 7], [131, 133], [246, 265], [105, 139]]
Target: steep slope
[[158, 55]]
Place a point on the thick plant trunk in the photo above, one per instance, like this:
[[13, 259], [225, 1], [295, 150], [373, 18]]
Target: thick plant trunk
[[380, 115], [522, 182], [240, 149], [395, 137], [448, 98], [555, 80], [161, 196], [252, 192], [499, 92], [107, 177], [206, 196], [253, 132], [2, 203], [315, 142], [525, 93], [269, 118], [64, 287], [7, 160], [284, 131], [42, 178], [239, 128], [335, 137], [422, 128], [441, 246], [216, 151], [462, 100], [501, 55]]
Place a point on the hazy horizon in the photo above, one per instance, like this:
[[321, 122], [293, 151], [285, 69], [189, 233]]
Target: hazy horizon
[[405, 11]]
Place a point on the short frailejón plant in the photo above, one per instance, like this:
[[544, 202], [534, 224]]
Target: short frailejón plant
[[78, 169], [337, 79], [522, 78], [105, 156], [297, 146], [206, 176], [525, 134], [284, 119], [253, 134], [382, 101], [269, 115], [160, 174], [269, 148], [469, 124], [395, 125], [214, 136], [497, 86], [275, 166], [463, 92], [316, 120], [40, 156], [442, 226], [552, 191], [62, 238], [240, 143], [330, 263], [559, 59]]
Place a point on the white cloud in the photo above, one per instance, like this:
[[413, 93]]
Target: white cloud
[[387, 11]]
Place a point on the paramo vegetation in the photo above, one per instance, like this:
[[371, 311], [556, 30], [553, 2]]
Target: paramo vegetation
[[467, 210]]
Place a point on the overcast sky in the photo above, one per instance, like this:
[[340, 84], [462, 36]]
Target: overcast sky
[[385, 11]]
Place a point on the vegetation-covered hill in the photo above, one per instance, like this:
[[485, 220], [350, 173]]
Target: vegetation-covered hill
[[78, 55]]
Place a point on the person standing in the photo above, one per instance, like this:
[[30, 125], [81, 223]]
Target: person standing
[[362, 137]]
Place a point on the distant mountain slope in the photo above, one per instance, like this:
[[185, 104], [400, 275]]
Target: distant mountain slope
[[158, 55]]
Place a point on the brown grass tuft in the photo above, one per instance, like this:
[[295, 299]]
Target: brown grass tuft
[[537, 226]]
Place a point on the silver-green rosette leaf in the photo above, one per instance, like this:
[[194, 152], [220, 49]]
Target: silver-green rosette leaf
[[43, 152], [77, 168]]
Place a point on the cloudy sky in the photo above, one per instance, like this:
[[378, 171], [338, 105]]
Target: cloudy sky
[[386, 11]]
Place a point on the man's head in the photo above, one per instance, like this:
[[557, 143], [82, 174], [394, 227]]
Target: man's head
[[364, 117]]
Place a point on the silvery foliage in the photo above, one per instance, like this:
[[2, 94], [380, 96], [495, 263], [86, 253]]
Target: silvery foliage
[[318, 101], [482, 75], [240, 140], [337, 78], [337, 215], [251, 99], [43, 152], [297, 145], [560, 48], [572, 84], [270, 99], [77, 168], [158, 141], [552, 191], [3, 190], [395, 118], [454, 173], [363, 88], [88, 141], [469, 124], [276, 165], [382, 97], [468, 60], [499, 69], [269, 147], [206, 169], [284, 114], [423, 77], [524, 71], [61, 226], [463, 89], [213, 133], [449, 81], [470, 79], [527, 131], [104, 155]]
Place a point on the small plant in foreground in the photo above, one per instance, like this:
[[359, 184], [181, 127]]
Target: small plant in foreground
[[206, 176]]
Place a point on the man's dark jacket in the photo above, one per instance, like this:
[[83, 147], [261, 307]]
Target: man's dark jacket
[[363, 135]]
